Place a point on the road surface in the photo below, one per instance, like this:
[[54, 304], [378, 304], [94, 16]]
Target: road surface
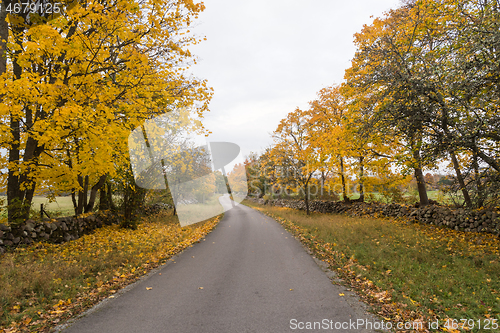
[[248, 275]]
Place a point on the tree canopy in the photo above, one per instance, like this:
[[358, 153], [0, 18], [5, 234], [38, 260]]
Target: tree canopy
[[75, 86]]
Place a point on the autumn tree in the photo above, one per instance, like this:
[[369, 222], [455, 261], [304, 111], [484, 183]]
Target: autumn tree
[[260, 173], [295, 154], [328, 133], [75, 86], [429, 68], [237, 179], [387, 69], [474, 95]]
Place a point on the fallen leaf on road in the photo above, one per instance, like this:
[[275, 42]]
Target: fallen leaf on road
[[149, 288], [341, 295], [200, 288]]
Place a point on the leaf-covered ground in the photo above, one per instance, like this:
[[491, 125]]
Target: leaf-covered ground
[[45, 284], [409, 273]]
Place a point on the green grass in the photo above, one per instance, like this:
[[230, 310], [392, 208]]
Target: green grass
[[62, 206], [444, 199], [193, 213], [436, 195], [371, 196], [434, 272]]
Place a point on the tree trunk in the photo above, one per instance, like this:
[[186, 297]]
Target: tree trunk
[[82, 194], [109, 193], [491, 161], [460, 178], [419, 176], [28, 200], [344, 192], [4, 35], [361, 180], [73, 199], [14, 200], [16, 205], [79, 204], [32, 152], [422, 191], [323, 180], [93, 193], [307, 200], [307, 192], [85, 192], [103, 198], [477, 180], [132, 201]]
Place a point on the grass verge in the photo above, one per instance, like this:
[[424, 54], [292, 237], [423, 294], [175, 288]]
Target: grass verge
[[45, 284], [409, 273]]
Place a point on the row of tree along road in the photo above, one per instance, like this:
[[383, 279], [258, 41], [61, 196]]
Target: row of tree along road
[[423, 91]]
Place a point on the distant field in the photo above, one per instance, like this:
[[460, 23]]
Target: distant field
[[193, 213], [434, 195], [62, 206]]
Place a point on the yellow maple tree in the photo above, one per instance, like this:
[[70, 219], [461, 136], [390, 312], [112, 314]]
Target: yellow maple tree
[[75, 86]]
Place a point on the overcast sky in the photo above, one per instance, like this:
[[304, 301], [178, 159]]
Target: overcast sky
[[264, 58]]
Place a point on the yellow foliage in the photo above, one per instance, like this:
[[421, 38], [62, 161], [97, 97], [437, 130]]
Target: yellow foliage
[[76, 86]]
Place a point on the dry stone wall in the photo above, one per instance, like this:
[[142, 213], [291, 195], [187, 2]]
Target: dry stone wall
[[486, 220], [60, 230]]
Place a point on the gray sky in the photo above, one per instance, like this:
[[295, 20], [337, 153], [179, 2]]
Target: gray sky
[[265, 58]]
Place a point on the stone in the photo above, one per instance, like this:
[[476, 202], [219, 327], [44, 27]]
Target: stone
[[29, 226]]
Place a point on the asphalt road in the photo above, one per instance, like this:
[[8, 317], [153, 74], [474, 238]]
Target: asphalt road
[[248, 275]]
